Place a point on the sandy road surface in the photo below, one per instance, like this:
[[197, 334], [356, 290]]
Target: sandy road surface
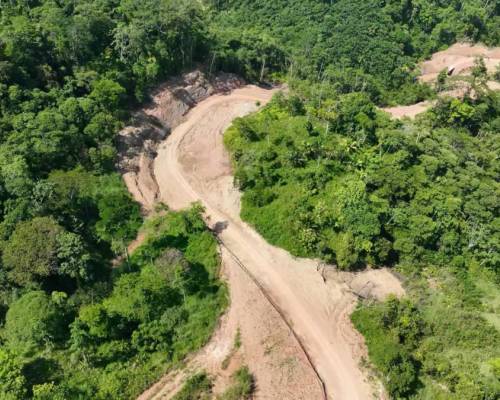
[[192, 165], [410, 111]]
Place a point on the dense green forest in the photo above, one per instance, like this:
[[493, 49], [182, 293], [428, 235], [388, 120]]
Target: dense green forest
[[111, 339], [358, 45], [359, 189], [71, 327], [326, 174], [421, 197]]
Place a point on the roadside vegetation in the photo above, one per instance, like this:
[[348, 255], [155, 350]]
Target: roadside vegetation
[[196, 387], [344, 182], [199, 387], [438, 342]]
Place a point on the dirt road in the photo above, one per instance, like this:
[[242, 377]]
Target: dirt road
[[193, 165]]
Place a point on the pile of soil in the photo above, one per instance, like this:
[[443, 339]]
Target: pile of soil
[[458, 60]]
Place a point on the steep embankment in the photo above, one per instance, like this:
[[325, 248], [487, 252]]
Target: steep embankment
[[192, 165], [137, 143]]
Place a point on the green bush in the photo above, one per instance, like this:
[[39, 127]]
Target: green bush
[[197, 387], [13, 382], [163, 304], [242, 388], [33, 323]]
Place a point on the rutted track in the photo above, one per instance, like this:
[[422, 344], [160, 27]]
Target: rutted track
[[192, 165]]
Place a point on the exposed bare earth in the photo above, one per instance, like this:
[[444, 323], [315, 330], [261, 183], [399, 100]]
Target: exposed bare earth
[[192, 165], [410, 111], [170, 102], [458, 60]]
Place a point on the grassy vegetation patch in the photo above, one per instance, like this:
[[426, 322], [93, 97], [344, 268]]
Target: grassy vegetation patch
[[454, 350], [197, 387]]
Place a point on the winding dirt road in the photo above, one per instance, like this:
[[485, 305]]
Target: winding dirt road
[[192, 165]]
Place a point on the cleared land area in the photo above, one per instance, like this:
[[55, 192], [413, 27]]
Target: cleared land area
[[458, 60]]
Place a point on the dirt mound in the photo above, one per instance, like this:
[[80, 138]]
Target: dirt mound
[[172, 100], [137, 143], [458, 60]]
